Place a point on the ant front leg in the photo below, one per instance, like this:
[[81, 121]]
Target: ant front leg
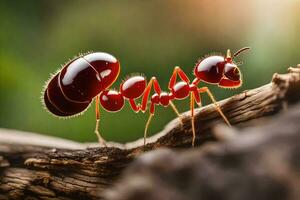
[[100, 139], [192, 89], [211, 96], [195, 96], [193, 118]]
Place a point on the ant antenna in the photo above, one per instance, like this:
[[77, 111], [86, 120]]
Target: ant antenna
[[240, 51]]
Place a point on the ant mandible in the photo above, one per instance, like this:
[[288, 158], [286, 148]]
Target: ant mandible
[[70, 91]]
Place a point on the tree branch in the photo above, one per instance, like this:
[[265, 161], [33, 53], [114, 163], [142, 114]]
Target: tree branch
[[259, 163]]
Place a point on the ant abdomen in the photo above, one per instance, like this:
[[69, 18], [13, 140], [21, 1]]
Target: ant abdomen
[[57, 102], [54, 110], [72, 89], [79, 81]]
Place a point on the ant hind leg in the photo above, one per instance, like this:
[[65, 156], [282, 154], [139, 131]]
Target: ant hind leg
[[147, 126], [151, 114], [177, 112], [100, 139]]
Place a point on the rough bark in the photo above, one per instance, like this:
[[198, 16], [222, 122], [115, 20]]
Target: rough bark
[[258, 163], [41, 172]]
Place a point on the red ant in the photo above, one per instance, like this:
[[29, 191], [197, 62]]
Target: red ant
[[72, 89]]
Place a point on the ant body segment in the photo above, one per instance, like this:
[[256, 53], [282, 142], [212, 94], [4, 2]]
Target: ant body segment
[[88, 77]]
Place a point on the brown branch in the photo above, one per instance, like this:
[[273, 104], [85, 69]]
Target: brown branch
[[260, 163], [56, 173]]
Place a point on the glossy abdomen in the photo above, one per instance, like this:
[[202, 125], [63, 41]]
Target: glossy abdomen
[[72, 89]]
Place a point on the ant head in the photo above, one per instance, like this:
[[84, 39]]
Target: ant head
[[216, 69], [231, 70], [232, 76]]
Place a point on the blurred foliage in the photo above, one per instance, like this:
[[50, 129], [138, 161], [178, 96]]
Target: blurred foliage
[[148, 37]]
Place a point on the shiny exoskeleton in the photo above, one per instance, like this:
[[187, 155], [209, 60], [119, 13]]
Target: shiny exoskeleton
[[88, 77]]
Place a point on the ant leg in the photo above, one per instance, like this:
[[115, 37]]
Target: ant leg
[[177, 112], [197, 97], [133, 105], [143, 107], [152, 105], [156, 86], [182, 75], [211, 96], [153, 81], [151, 114], [146, 127], [193, 118], [100, 139], [147, 91]]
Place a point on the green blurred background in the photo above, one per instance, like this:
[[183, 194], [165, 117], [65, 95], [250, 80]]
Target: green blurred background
[[148, 37]]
